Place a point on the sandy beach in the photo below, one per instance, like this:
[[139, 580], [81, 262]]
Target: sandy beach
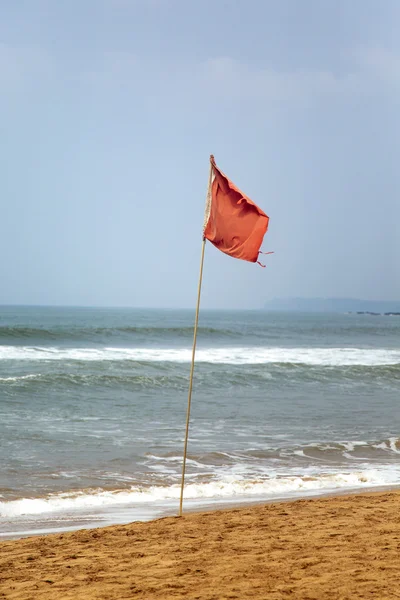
[[341, 547]]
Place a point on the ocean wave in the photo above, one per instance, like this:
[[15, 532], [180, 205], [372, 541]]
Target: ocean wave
[[366, 451], [226, 355], [104, 380], [92, 333], [266, 458], [208, 377], [268, 488], [19, 378]]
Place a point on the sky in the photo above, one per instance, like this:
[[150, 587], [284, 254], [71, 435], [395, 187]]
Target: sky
[[109, 110]]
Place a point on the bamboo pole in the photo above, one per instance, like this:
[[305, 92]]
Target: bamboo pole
[[196, 321]]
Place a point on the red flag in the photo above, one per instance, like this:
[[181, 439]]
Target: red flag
[[233, 223]]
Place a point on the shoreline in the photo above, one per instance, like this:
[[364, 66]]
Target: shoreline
[[77, 523], [333, 547]]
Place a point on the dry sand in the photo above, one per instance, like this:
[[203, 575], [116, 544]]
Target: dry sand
[[336, 548]]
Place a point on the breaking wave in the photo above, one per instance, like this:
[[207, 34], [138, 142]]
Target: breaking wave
[[239, 490], [226, 355]]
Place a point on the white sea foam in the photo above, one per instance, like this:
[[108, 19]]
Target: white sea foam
[[225, 355], [393, 445], [350, 446], [299, 453], [224, 489], [351, 457], [20, 377]]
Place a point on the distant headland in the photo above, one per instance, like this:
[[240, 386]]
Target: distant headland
[[335, 305]]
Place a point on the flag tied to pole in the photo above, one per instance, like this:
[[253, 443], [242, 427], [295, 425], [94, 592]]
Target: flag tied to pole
[[233, 223]]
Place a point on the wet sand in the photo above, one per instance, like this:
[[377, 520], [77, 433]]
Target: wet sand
[[346, 547]]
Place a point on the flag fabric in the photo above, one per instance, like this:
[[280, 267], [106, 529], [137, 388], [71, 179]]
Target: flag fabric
[[233, 223]]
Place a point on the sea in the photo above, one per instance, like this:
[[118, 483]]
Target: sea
[[93, 410]]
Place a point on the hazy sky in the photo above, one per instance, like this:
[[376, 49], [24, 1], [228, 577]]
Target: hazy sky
[[109, 110]]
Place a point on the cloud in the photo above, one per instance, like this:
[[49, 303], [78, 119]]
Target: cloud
[[192, 86], [380, 62], [221, 78], [364, 72], [133, 3], [230, 77], [367, 68], [113, 68], [21, 66]]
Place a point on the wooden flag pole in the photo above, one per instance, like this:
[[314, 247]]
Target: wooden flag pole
[[196, 321]]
